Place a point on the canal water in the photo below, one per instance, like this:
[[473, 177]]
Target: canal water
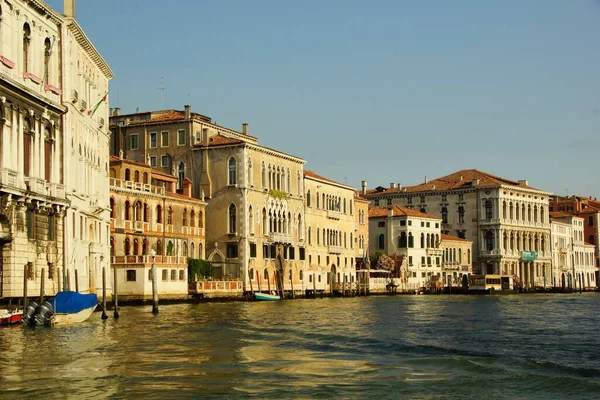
[[430, 347]]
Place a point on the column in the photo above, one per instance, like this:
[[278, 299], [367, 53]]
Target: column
[[20, 149], [41, 152], [14, 143]]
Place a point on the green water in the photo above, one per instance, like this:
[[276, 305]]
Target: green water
[[528, 346]]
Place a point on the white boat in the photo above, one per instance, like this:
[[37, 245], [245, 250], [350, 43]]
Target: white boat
[[66, 308], [266, 297]]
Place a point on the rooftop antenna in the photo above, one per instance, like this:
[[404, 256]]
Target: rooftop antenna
[[161, 88]]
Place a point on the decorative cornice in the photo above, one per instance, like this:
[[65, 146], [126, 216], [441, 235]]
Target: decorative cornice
[[85, 43]]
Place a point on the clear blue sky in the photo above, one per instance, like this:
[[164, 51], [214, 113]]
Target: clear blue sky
[[387, 91]]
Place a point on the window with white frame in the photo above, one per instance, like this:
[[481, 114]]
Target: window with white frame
[[152, 140], [153, 161], [232, 171], [181, 137], [164, 160], [164, 139]]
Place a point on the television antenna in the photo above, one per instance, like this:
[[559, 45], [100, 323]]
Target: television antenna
[[161, 88]]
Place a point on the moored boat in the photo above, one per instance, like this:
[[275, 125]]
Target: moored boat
[[66, 308], [10, 317], [266, 297]]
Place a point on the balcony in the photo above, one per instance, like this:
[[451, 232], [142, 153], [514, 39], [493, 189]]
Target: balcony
[[55, 190], [138, 226], [281, 238], [334, 249], [100, 122], [82, 105], [36, 185], [434, 251], [333, 214], [144, 187], [8, 177], [74, 97], [141, 260], [489, 221]]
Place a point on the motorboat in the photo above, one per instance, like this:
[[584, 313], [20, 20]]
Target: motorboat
[[266, 297], [66, 308], [10, 317]]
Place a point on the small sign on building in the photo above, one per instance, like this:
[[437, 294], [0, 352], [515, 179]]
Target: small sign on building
[[529, 255]]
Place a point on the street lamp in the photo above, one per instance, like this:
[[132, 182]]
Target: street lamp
[[154, 284]]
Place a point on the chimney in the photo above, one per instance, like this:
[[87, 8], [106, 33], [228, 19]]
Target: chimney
[[390, 212], [523, 182], [432, 187], [392, 185], [69, 8], [188, 111], [475, 182], [245, 128], [426, 179], [127, 121], [117, 111], [461, 178], [399, 186], [111, 112], [364, 187]]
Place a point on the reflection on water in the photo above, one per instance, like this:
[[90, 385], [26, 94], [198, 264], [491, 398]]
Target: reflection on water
[[542, 346]]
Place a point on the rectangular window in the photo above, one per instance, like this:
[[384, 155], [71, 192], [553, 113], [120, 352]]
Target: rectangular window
[[444, 197], [381, 224], [272, 251], [232, 250], [389, 202], [165, 275], [164, 139], [422, 224], [409, 200], [50, 227], [131, 275], [152, 140], [403, 223], [409, 223], [302, 254], [423, 260], [253, 250], [133, 144], [437, 261], [461, 197], [285, 253], [292, 253], [437, 225], [409, 260], [153, 161], [181, 137], [182, 275], [173, 274], [428, 224], [164, 161], [422, 199], [265, 251], [428, 260], [150, 274], [29, 219], [376, 203]]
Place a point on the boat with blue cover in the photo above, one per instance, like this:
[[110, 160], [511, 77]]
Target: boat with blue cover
[[66, 308]]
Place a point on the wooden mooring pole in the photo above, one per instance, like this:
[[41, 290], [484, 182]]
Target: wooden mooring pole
[[115, 294], [76, 281], [154, 290], [42, 284], [251, 288], [25, 287], [104, 316], [292, 286]]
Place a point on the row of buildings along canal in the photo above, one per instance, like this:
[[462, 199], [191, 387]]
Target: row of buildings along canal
[[86, 188]]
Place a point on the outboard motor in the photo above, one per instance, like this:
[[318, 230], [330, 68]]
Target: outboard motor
[[29, 314], [45, 314]]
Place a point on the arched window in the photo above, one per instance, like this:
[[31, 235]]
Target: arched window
[[444, 215], [26, 44], [112, 208], [159, 247], [411, 240], [309, 235], [136, 176], [402, 243], [146, 217], [461, 215], [146, 178], [264, 175], [136, 247], [200, 219], [184, 219], [504, 209], [469, 256], [300, 227], [180, 175], [489, 240], [138, 211], [510, 210], [318, 237], [112, 246], [127, 247], [381, 241], [317, 199], [232, 219], [185, 249], [542, 216], [251, 220], [591, 239], [145, 247], [192, 250], [308, 198], [250, 177], [232, 171], [127, 211], [489, 210], [159, 214], [422, 240], [170, 216], [200, 250], [529, 213], [127, 174], [265, 222], [47, 53], [192, 218]]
